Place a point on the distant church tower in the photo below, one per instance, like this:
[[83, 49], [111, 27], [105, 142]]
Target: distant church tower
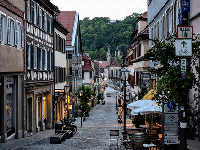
[[117, 52], [108, 57]]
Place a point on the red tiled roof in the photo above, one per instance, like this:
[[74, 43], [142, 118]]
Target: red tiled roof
[[67, 19], [104, 63]]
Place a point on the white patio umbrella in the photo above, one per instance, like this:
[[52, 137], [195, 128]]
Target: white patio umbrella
[[147, 110], [141, 103]]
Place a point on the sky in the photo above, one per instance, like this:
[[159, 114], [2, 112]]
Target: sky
[[114, 9]]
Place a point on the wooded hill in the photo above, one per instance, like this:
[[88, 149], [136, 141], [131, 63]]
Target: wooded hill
[[101, 33]]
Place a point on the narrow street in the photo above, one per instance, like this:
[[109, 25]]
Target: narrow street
[[93, 135]]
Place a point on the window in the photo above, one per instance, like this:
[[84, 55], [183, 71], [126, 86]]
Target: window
[[16, 33], [35, 56], [90, 74], [52, 25]]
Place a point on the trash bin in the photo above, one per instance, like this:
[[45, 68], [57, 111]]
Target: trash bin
[[58, 126], [138, 139]]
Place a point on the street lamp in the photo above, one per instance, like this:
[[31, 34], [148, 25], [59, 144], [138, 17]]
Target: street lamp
[[81, 94], [66, 89], [125, 75]]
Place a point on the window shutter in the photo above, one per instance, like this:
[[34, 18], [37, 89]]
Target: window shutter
[[35, 14], [52, 63], [48, 60], [16, 33], [38, 57], [1, 33], [35, 57], [5, 29], [45, 21], [28, 9], [43, 59], [22, 36], [8, 30], [19, 36], [27, 56], [12, 23], [42, 19], [55, 44], [32, 11], [64, 74], [31, 56], [52, 22], [55, 78]]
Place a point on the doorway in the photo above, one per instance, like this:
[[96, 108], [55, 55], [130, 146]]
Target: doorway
[[29, 120]]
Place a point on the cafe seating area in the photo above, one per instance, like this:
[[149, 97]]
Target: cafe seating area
[[142, 138]]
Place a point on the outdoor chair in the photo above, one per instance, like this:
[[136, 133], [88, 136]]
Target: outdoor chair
[[114, 136]]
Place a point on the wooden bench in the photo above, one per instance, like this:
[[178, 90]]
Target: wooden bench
[[68, 133], [57, 138]]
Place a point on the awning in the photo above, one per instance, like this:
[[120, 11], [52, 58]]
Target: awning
[[150, 95]]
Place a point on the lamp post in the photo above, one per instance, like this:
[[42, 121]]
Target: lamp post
[[66, 89], [81, 94], [125, 75]]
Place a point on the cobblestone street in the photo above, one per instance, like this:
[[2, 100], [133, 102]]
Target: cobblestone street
[[93, 135]]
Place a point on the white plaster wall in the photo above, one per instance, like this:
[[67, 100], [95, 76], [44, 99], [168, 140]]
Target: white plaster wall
[[60, 85], [60, 59]]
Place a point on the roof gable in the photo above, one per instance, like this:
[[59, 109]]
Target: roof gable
[[69, 19]]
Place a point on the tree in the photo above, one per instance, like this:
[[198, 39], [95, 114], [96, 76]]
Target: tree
[[85, 98]]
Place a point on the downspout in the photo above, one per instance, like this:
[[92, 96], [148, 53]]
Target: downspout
[[24, 73], [53, 93]]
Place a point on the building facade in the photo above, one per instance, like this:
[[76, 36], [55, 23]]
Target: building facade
[[11, 69], [39, 77], [60, 71]]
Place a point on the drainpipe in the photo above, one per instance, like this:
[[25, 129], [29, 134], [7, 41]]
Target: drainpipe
[[53, 93]]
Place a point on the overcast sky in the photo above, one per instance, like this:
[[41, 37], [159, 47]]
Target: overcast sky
[[114, 9]]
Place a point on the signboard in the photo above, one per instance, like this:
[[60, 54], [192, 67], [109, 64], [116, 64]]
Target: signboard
[[183, 69], [171, 141], [171, 124], [180, 18], [183, 47], [171, 130], [171, 118], [185, 4], [174, 110], [185, 32]]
